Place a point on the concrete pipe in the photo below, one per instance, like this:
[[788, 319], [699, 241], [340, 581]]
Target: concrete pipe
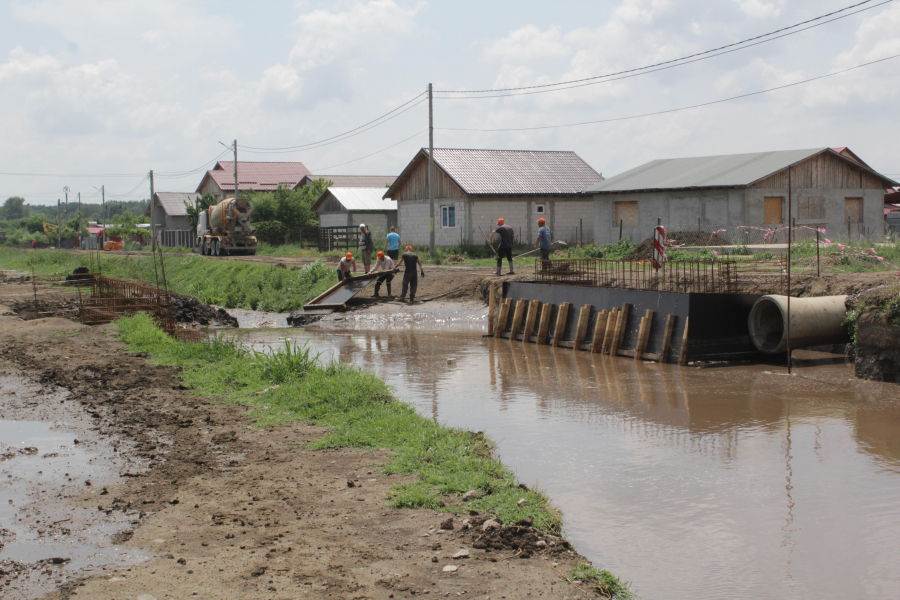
[[814, 322]]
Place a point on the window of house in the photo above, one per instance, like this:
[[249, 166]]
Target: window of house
[[540, 209], [626, 213], [811, 207], [773, 211], [853, 210], [448, 216]]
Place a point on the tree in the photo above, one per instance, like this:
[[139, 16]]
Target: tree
[[202, 203], [14, 208], [292, 208]]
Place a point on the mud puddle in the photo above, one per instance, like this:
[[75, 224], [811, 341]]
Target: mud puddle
[[50, 454], [720, 482]]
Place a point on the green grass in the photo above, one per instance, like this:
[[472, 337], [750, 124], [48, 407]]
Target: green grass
[[231, 284], [607, 584], [358, 409]]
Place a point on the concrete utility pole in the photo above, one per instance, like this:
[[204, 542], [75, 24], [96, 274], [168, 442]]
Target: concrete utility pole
[[235, 171], [431, 167], [58, 225], [66, 190], [152, 215], [103, 207], [790, 236]]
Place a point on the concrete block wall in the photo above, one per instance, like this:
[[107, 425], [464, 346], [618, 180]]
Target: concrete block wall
[[573, 221], [412, 222], [835, 217], [338, 219], [450, 236], [486, 212]]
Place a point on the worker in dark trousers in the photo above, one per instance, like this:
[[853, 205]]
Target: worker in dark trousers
[[545, 240], [410, 276], [385, 265], [507, 236]]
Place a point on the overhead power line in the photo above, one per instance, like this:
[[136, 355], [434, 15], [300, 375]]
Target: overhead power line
[[672, 110], [179, 174], [661, 66], [319, 170], [303, 146], [312, 147]]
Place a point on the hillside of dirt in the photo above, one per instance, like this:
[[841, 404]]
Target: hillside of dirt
[[227, 510]]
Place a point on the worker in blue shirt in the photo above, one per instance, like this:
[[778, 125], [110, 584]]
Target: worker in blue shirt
[[392, 244], [544, 239]]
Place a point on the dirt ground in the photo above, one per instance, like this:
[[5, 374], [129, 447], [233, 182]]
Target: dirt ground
[[230, 511]]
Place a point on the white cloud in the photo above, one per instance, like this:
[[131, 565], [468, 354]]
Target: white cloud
[[527, 44], [760, 9]]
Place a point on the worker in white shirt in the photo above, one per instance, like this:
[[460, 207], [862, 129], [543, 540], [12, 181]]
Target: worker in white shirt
[[386, 265]]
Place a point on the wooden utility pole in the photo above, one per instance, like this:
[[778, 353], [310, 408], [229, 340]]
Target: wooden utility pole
[[431, 168], [235, 171], [790, 237], [152, 216], [58, 225]]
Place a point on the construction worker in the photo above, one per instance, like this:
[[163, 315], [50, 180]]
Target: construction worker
[[366, 245], [346, 267], [34, 244], [410, 277], [545, 240], [507, 236], [392, 244], [385, 264]]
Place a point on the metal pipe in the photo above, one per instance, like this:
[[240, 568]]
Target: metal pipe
[[813, 322]]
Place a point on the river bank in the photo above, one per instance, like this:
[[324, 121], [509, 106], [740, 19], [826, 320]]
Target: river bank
[[227, 509]]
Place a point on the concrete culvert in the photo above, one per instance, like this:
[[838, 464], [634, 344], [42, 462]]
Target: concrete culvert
[[814, 322]]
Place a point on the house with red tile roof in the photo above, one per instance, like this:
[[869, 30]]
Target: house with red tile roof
[[252, 176]]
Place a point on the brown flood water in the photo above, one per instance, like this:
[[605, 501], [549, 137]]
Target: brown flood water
[[726, 482]]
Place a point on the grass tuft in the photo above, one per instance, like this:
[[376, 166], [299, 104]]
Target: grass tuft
[[607, 584]]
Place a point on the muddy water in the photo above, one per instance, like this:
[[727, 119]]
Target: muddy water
[[728, 482]]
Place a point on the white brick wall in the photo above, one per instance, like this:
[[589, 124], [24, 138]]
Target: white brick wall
[[332, 219]]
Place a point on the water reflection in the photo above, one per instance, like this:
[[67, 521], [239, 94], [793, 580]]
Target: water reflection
[[693, 483]]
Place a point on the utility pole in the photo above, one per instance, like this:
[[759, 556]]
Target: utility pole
[[79, 219], [431, 167], [152, 216], [790, 236], [103, 208], [58, 227], [235, 171], [66, 190]]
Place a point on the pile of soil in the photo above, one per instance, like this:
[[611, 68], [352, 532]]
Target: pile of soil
[[191, 310], [644, 250], [878, 333], [456, 259], [80, 277]]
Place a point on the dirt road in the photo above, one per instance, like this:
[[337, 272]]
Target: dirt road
[[229, 511]]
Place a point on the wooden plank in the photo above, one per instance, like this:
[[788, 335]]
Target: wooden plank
[[667, 339], [518, 315], [561, 317], [502, 317], [493, 299], [621, 323], [584, 318], [599, 332], [610, 330], [544, 327], [533, 308], [682, 357], [644, 334]]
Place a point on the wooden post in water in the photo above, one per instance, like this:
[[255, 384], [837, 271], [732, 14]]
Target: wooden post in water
[[502, 317], [599, 332], [493, 299], [644, 334], [610, 329], [667, 339], [621, 323], [517, 318], [533, 308], [560, 328], [584, 318], [682, 357], [544, 327]]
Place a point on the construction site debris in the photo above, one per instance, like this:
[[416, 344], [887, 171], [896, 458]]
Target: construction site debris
[[192, 311], [644, 250]]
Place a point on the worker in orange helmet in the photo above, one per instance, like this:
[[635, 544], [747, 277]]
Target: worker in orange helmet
[[545, 241], [507, 237], [386, 265], [346, 267]]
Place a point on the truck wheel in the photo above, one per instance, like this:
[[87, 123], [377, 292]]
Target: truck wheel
[[214, 248]]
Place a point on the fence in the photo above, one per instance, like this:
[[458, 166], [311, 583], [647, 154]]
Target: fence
[[174, 238], [708, 234], [711, 277], [338, 238]]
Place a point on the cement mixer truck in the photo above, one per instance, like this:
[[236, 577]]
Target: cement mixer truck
[[225, 229]]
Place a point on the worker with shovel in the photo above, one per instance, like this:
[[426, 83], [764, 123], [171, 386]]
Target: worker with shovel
[[545, 240], [410, 276], [507, 236], [384, 264]]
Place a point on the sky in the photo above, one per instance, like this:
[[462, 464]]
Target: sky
[[99, 92]]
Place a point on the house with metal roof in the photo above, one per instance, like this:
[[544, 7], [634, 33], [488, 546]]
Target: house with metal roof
[[351, 181], [473, 188], [169, 209], [830, 188], [252, 176], [350, 206]]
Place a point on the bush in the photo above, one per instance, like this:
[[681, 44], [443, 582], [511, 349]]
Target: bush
[[270, 232]]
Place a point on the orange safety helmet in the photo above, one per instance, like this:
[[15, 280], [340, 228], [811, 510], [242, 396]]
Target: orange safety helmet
[[541, 221], [500, 221], [409, 247], [349, 256], [380, 254]]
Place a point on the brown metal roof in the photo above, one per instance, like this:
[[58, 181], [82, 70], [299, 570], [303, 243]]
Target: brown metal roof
[[511, 171], [257, 175], [352, 181]]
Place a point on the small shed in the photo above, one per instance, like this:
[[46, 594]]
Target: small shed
[[473, 188], [830, 188], [171, 210], [350, 206]]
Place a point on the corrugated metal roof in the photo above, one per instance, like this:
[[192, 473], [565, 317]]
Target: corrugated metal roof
[[352, 181], [176, 203], [357, 198], [730, 170], [516, 171], [257, 175]]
